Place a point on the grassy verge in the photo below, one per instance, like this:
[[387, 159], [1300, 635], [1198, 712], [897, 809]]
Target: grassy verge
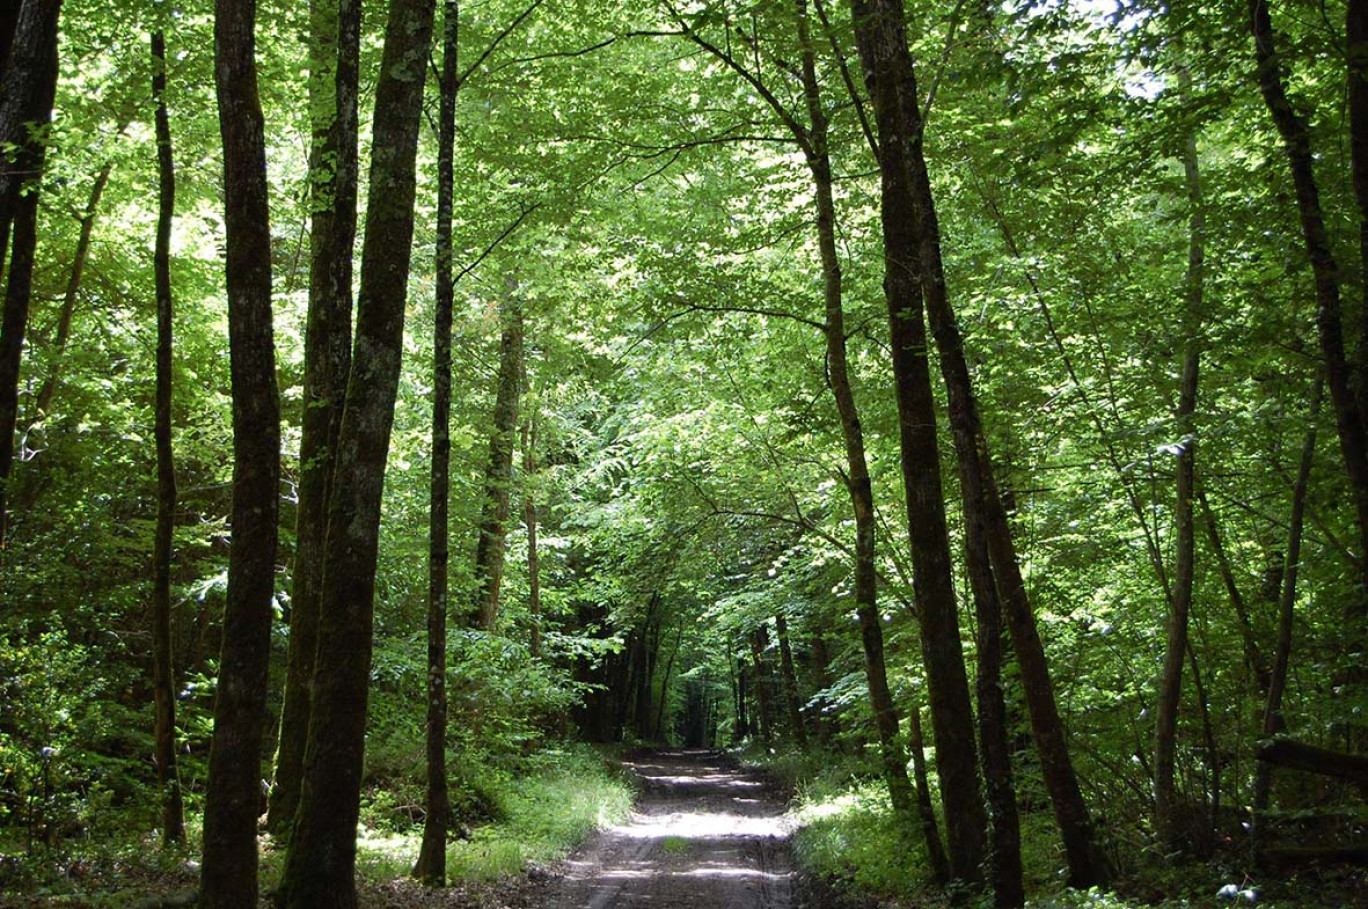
[[538, 814]]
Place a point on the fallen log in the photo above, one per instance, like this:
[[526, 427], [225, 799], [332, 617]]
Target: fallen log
[[1292, 856], [1314, 759]]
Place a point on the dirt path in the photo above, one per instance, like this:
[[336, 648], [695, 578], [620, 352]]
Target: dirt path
[[706, 834]]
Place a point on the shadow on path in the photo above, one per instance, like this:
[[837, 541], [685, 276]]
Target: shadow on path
[[706, 834]]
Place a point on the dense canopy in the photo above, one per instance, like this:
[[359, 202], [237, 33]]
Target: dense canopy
[[963, 406]]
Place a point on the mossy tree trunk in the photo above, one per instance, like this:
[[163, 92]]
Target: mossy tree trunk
[[233, 799], [320, 867]]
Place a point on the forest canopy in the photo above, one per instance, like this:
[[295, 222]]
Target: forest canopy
[[961, 406]]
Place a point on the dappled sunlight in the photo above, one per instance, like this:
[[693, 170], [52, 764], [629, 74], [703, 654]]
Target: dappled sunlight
[[704, 835], [703, 825]]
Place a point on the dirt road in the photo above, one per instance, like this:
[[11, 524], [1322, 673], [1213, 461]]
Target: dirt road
[[706, 834]]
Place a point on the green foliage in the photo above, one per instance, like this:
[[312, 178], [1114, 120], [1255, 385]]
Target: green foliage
[[849, 833]]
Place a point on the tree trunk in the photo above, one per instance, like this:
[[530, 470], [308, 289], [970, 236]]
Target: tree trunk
[[792, 699], [1253, 656], [763, 690], [26, 98], [1167, 815], [827, 726], [1282, 651], [659, 734], [78, 262], [882, 41], [1004, 824], [431, 867], [233, 800], [912, 249], [1356, 58], [163, 681], [489, 553], [1329, 319], [321, 862], [336, 38], [743, 725], [529, 444], [926, 812], [858, 482]]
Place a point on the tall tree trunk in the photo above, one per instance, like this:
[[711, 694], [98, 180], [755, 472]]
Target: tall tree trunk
[[335, 27], [926, 811], [431, 867], [1349, 421], [827, 726], [881, 37], [1167, 815], [1004, 823], [764, 705], [489, 552], [73, 288], [26, 96], [9, 22], [529, 445], [1254, 659], [743, 724], [792, 699], [1282, 651], [163, 683], [912, 250], [858, 482], [1356, 57], [659, 733], [322, 858], [232, 803]]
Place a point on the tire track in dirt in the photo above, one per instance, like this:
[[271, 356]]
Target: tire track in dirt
[[706, 834]]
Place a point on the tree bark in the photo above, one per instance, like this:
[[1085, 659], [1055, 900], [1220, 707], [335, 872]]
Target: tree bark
[[530, 522], [1005, 875], [1166, 808], [792, 699], [163, 681], [1314, 759], [232, 803], [431, 866], [763, 690], [913, 269], [73, 287], [1282, 650], [858, 483], [333, 84], [319, 870], [489, 552], [1349, 420], [882, 41], [1253, 655], [29, 86], [1356, 59]]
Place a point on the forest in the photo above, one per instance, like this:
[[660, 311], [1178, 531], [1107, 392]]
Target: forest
[[427, 428]]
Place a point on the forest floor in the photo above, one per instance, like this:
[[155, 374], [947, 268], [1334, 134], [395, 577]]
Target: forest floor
[[706, 832]]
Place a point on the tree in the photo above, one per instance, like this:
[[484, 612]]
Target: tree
[[489, 554], [320, 866], [29, 84], [431, 867], [335, 69], [1166, 809], [163, 682], [232, 802], [1349, 420], [882, 43]]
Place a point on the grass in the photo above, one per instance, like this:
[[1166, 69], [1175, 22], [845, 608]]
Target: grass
[[542, 815]]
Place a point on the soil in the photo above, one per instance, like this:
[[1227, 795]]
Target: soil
[[706, 832]]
